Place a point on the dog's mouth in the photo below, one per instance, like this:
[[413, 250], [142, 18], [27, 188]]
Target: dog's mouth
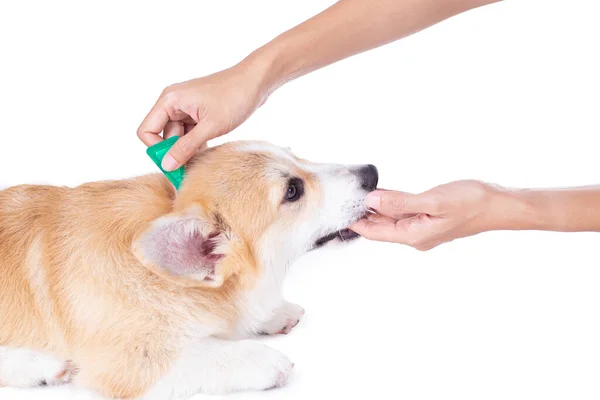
[[344, 235]]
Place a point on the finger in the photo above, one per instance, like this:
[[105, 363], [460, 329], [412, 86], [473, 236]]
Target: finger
[[173, 128], [418, 226], [378, 218], [382, 218], [375, 195], [410, 231], [395, 204], [186, 147], [188, 120], [378, 231], [151, 127]]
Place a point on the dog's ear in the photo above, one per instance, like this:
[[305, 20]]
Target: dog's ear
[[183, 246]]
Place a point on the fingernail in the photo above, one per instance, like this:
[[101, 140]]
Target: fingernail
[[373, 200], [169, 163]]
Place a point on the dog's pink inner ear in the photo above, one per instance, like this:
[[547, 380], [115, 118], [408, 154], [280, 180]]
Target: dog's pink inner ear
[[179, 246]]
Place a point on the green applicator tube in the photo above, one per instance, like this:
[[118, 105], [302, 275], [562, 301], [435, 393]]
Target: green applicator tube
[[158, 151]]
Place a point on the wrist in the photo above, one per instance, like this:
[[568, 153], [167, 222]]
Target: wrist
[[257, 68], [524, 209], [269, 65]]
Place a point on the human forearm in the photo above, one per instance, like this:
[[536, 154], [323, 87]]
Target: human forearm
[[202, 109], [347, 28], [563, 210]]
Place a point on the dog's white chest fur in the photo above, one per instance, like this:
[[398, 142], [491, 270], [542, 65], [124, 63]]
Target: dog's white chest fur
[[261, 303]]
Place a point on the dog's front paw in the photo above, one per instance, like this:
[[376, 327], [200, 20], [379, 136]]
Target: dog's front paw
[[273, 369], [286, 318], [255, 367]]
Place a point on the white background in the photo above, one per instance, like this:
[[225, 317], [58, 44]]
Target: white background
[[508, 93]]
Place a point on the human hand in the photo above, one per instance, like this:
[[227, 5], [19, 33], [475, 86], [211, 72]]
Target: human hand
[[202, 109], [439, 215]]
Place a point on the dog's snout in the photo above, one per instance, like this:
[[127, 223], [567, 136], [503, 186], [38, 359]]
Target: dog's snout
[[368, 177]]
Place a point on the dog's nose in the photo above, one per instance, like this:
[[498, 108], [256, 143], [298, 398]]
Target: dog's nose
[[368, 177]]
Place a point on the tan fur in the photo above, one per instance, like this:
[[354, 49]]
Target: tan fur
[[72, 285]]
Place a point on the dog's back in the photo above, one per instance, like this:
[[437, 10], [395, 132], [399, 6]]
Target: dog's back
[[48, 275], [41, 230]]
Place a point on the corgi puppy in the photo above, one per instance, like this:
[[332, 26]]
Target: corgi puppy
[[134, 290]]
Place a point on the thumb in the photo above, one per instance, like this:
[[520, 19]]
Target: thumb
[[186, 147], [395, 204]]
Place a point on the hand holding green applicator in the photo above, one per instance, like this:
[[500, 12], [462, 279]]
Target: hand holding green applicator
[[157, 153]]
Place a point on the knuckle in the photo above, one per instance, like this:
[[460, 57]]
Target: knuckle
[[169, 89], [169, 97], [140, 132], [397, 205], [480, 190]]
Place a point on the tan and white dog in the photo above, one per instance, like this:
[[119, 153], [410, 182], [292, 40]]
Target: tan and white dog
[[133, 290]]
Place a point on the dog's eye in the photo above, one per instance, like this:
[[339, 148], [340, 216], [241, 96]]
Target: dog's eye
[[291, 192], [295, 190]]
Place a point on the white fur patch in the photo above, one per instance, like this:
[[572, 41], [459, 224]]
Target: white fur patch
[[215, 366], [24, 368]]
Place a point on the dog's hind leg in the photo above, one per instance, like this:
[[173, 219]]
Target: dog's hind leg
[[25, 368]]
